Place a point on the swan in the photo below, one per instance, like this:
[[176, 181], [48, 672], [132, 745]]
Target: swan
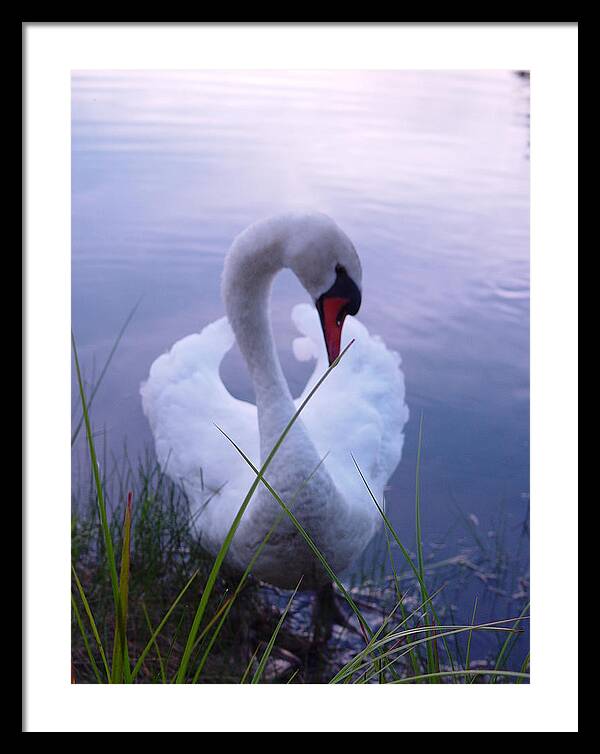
[[358, 411]]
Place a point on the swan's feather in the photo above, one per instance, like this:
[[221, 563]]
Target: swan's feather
[[358, 411], [186, 402]]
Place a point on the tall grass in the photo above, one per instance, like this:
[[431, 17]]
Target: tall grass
[[404, 648]]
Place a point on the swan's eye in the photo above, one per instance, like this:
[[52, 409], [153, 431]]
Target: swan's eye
[[339, 268]]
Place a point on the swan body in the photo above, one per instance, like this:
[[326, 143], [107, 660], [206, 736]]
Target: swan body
[[359, 410]]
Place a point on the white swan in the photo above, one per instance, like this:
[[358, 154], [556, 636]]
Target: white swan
[[358, 410]]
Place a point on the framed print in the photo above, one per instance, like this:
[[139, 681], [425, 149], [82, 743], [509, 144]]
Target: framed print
[[301, 426]]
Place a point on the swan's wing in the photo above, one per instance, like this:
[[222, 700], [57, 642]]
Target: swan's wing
[[184, 398], [359, 409]]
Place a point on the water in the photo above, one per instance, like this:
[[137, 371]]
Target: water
[[428, 174]]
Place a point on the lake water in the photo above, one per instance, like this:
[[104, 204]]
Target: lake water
[[427, 172]]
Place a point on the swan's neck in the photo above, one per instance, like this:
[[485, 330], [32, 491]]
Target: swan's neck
[[296, 471], [250, 268]]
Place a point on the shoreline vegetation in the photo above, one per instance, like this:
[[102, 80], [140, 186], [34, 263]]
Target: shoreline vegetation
[[150, 606]]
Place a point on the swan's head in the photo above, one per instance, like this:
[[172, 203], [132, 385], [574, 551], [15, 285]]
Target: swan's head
[[327, 265]]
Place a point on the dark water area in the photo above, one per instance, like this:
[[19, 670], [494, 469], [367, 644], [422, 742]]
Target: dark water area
[[427, 172]]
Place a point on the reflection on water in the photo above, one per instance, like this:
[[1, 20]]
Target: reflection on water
[[427, 172]]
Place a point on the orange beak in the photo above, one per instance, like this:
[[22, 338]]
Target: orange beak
[[332, 311], [341, 299]]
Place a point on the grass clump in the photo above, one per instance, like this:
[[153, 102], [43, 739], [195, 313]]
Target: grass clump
[[149, 605]]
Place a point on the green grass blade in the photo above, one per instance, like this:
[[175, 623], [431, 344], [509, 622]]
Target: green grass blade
[[375, 644], [238, 589], [368, 650], [112, 566], [249, 666], [92, 622], [430, 635], [363, 622], [468, 659], [105, 369], [85, 639], [212, 577], [508, 645], [424, 591], [160, 627], [220, 615], [432, 665], [457, 673], [247, 572], [161, 665], [269, 648], [121, 669], [399, 597], [524, 666], [173, 642]]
